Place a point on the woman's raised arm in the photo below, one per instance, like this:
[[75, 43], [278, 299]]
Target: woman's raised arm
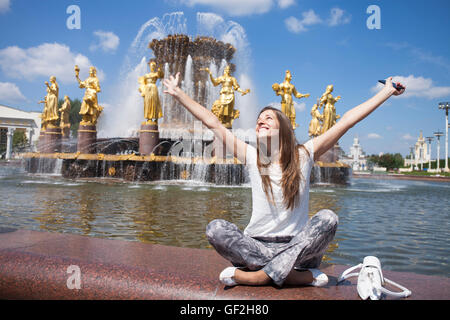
[[328, 139], [231, 142]]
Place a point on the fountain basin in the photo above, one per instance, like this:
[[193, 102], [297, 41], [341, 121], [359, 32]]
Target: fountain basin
[[131, 167], [330, 173], [139, 168]]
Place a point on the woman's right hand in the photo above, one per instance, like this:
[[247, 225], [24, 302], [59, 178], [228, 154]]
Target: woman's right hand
[[171, 84]]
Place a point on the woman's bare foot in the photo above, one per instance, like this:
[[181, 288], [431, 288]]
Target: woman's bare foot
[[299, 277], [251, 278]]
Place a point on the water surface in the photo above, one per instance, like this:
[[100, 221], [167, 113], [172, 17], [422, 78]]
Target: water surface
[[404, 223]]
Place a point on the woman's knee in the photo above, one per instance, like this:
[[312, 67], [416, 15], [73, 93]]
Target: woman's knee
[[328, 216], [325, 220], [216, 229]]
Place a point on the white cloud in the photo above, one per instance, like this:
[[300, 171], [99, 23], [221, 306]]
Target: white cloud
[[338, 17], [308, 18], [300, 106], [234, 7], [4, 6], [47, 59], [283, 4], [9, 92], [421, 54], [294, 25], [374, 136], [408, 137], [106, 41], [418, 87]]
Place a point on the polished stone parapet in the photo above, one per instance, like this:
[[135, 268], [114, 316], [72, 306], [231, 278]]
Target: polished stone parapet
[[41, 265]]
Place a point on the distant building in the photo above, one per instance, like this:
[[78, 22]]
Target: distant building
[[421, 153], [12, 119], [357, 158]]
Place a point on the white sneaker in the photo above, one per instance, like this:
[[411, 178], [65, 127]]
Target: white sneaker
[[320, 278], [226, 276]]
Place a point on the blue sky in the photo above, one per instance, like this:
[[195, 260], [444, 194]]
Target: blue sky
[[321, 42]]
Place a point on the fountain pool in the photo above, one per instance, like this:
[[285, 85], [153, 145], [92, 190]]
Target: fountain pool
[[404, 223]]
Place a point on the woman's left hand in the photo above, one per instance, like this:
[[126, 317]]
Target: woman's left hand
[[394, 91]]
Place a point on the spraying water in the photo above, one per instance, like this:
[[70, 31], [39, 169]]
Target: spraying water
[[123, 113]]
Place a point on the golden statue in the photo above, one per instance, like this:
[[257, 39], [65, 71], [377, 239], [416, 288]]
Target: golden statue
[[90, 110], [51, 103], [223, 108], [286, 90], [43, 115], [329, 111], [315, 126], [65, 110], [149, 91]]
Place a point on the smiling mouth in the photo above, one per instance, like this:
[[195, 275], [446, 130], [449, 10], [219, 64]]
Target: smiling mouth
[[263, 130]]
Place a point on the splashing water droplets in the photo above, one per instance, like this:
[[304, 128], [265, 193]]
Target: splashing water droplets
[[124, 110]]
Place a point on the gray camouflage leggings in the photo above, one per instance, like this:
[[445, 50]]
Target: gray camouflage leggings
[[276, 256]]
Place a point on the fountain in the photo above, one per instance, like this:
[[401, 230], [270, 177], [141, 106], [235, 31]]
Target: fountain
[[170, 144], [328, 169], [178, 148]]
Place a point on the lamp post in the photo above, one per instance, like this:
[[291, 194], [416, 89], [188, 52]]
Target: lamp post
[[445, 106], [429, 139], [438, 135]]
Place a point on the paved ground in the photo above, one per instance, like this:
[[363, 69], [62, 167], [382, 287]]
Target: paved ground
[[36, 265]]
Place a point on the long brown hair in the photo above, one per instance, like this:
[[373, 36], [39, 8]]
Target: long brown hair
[[288, 158]]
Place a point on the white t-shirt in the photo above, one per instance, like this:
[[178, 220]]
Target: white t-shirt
[[270, 220]]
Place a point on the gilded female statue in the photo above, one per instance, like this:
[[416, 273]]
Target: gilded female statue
[[51, 115], [223, 108], [149, 91], [315, 125], [43, 115], [90, 110], [65, 111], [329, 111], [286, 90]]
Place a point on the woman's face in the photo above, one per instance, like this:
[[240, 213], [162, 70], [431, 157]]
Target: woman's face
[[267, 124]]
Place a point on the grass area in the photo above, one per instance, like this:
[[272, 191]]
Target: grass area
[[414, 173], [424, 173]]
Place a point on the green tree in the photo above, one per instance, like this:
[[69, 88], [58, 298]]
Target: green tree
[[19, 139], [74, 116], [388, 160]]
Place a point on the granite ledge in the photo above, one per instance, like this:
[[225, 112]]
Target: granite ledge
[[35, 265]]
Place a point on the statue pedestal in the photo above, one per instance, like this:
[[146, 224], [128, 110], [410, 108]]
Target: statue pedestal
[[87, 139], [52, 140], [41, 142], [65, 132], [148, 138]]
